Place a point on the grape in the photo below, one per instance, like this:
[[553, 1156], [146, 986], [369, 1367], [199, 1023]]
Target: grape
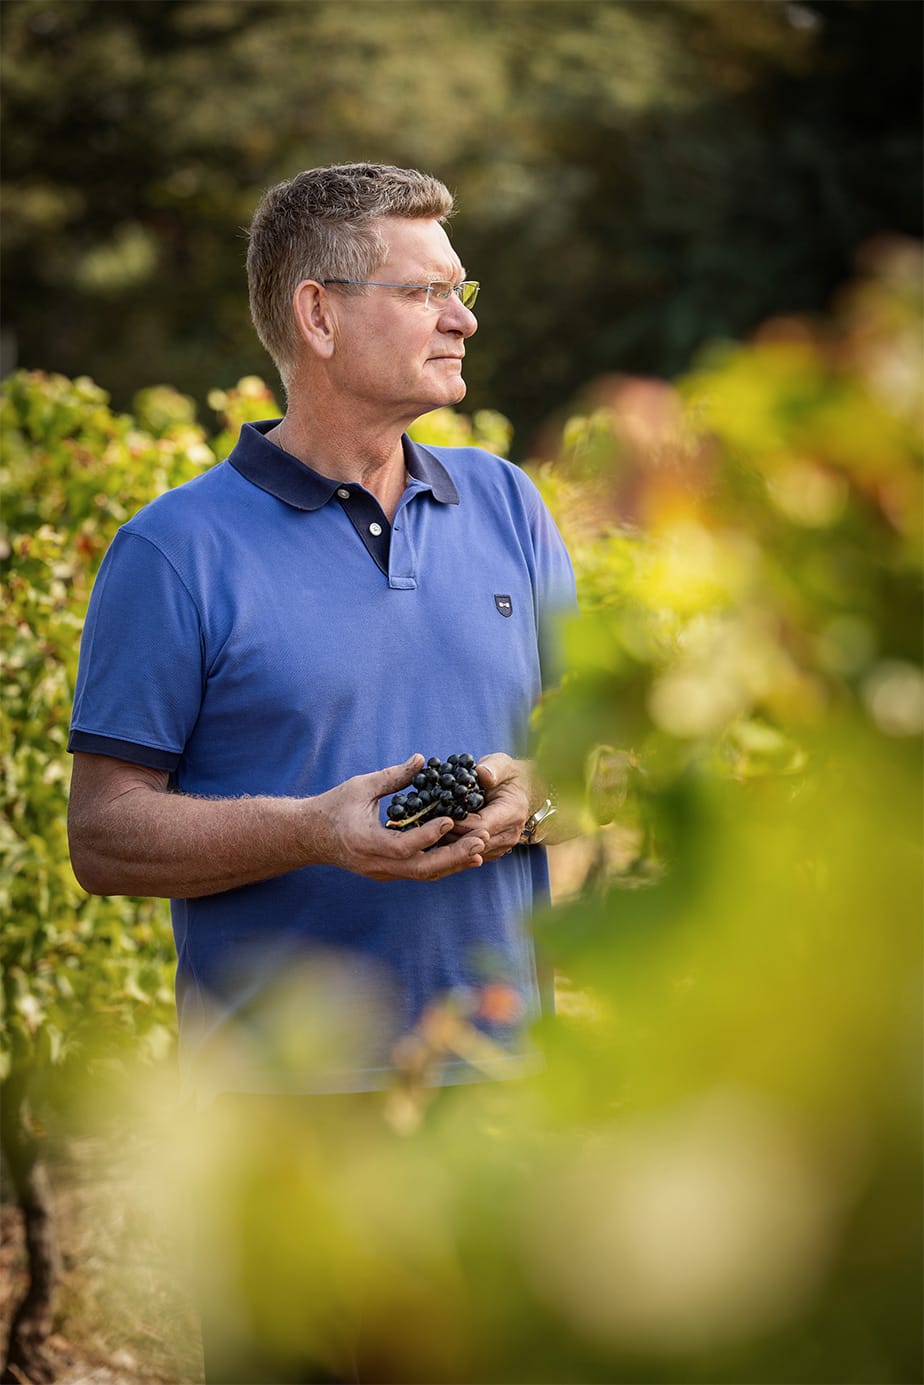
[[445, 788]]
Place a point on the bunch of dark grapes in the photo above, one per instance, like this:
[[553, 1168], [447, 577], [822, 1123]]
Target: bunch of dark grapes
[[445, 788]]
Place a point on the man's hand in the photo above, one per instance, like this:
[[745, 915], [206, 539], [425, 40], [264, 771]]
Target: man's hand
[[355, 839], [509, 791]]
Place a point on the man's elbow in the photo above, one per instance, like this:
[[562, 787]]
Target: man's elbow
[[95, 871], [103, 819], [92, 873]]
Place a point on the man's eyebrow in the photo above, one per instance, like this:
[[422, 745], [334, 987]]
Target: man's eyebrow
[[444, 276]]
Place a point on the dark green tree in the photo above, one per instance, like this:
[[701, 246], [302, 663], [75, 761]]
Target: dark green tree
[[634, 178]]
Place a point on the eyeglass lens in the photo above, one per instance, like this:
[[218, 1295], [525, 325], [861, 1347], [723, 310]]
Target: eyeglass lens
[[440, 293]]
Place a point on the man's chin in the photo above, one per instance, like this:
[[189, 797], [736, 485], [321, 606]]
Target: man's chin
[[449, 398]]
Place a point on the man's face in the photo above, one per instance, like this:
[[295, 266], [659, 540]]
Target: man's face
[[395, 356]]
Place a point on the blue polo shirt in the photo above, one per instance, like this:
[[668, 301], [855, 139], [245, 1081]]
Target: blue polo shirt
[[263, 630]]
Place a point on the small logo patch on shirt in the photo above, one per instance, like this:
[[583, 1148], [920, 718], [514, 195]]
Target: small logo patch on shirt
[[503, 604]]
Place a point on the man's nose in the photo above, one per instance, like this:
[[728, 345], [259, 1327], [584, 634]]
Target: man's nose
[[455, 317]]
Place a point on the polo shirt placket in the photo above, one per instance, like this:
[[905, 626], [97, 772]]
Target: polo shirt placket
[[290, 480]]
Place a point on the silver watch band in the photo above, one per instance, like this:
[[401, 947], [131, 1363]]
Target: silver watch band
[[532, 834]]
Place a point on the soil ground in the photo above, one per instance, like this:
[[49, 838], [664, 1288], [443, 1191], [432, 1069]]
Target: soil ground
[[124, 1310]]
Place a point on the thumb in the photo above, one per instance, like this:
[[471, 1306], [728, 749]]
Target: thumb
[[383, 781], [488, 771]]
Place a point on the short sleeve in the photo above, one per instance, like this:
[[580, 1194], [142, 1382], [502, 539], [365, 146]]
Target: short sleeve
[[142, 660]]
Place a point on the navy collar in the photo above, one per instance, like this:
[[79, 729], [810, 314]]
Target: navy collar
[[290, 480]]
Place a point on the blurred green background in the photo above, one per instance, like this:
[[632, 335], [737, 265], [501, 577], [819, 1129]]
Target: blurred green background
[[698, 228], [633, 178]]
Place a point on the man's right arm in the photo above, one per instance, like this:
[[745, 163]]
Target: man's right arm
[[130, 835]]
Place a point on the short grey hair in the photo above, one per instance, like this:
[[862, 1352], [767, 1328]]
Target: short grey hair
[[321, 225]]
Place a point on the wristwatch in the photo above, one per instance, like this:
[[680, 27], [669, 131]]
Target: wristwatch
[[535, 827]]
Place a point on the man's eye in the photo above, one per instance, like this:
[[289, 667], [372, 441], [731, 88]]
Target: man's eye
[[442, 291]]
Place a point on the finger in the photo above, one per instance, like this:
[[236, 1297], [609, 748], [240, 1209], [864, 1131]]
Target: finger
[[504, 832], [427, 834], [494, 844], [499, 822], [395, 777], [451, 858], [470, 826], [493, 769], [474, 841], [496, 830], [499, 846], [497, 853], [409, 857]]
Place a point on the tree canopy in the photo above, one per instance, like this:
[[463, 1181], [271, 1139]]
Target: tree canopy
[[633, 179]]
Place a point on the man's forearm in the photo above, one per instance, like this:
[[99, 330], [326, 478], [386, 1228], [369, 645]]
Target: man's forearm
[[154, 843]]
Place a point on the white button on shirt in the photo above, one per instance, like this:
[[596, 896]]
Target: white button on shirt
[[343, 493], [375, 529]]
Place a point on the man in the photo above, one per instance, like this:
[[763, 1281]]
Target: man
[[323, 603]]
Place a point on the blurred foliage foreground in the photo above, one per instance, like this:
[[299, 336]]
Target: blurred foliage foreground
[[717, 1176]]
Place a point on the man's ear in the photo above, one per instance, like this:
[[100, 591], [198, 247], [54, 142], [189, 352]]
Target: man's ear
[[314, 317]]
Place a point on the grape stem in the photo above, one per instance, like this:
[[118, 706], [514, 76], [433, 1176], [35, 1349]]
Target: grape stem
[[409, 822]]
